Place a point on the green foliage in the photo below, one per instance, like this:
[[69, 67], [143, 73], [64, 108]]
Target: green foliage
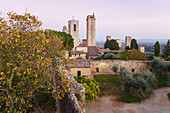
[[157, 49], [168, 80], [134, 44], [134, 86], [67, 39], [107, 86], [111, 44], [159, 66], [137, 84], [127, 48], [150, 55], [31, 63], [91, 87], [150, 78], [166, 50], [115, 68], [124, 97], [79, 58], [133, 55], [87, 55], [109, 56], [169, 96]]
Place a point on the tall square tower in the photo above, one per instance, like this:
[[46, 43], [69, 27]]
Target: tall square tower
[[91, 30], [128, 41], [73, 30]]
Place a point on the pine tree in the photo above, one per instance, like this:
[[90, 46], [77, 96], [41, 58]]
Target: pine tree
[[134, 44], [157, 49]]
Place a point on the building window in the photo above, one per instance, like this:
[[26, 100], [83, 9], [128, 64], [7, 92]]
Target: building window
[[97, 69], [78, 73], [74, 27], [133, 70]]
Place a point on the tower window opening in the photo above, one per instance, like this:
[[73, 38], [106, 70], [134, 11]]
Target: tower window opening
[[74, 27]]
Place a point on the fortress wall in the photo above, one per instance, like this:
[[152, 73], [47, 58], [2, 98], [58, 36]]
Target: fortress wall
[[104, 66]]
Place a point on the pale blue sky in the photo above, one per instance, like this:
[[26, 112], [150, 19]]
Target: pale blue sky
[[141, 19]]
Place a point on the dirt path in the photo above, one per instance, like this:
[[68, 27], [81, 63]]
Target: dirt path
[[158, 103]]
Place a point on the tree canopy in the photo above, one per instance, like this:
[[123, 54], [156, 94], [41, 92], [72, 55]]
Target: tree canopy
[[166, 50], [134, 44], [30, 63], [133, 55], [111, 44], [67, 39], [157, 49]]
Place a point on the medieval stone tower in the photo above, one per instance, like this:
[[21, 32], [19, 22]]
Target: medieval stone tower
[[73, 30], [128, 41], [91, 32]]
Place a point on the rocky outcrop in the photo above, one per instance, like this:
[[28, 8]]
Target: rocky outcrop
[[74, 99]]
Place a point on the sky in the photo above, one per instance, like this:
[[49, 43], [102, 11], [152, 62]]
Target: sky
[[141, 19]]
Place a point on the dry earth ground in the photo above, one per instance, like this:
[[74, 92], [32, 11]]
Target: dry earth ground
[[158, 103]]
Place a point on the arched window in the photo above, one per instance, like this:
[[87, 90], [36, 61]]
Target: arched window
[[97, 69], [74, 27]]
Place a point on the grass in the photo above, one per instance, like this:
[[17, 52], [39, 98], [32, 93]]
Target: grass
[[124, 97], [162, 81], [108, 87], [169, 96], [107, 84]]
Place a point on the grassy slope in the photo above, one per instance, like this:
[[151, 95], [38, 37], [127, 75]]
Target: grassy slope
[[108, 87]]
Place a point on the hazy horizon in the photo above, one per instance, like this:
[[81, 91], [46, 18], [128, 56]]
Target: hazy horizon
[[147, 19]]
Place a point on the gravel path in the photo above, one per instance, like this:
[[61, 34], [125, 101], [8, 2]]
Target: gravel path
[[158, 103]]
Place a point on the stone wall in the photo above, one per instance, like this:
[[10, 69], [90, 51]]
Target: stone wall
[[104, 66], [84, 71]]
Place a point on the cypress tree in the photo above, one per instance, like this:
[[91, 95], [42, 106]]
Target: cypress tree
[[157, 49], [166, 50]]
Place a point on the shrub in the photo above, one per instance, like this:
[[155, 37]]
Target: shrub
[[133, 55], [136, 84], [159, 66], [133, 85], [109, 56], [91, 87], [79, 58], [150, 78]]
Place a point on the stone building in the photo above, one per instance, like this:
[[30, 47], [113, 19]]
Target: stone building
[[73, 30], [119, 42], [80, 67], [91, 30], [77, 54], [128, 41], [142, 49]]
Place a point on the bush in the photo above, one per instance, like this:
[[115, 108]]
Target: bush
[[91, 87], [79, 58], [150, 78], [133, 55], [159, 66], [109, 56], [136, 84]]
